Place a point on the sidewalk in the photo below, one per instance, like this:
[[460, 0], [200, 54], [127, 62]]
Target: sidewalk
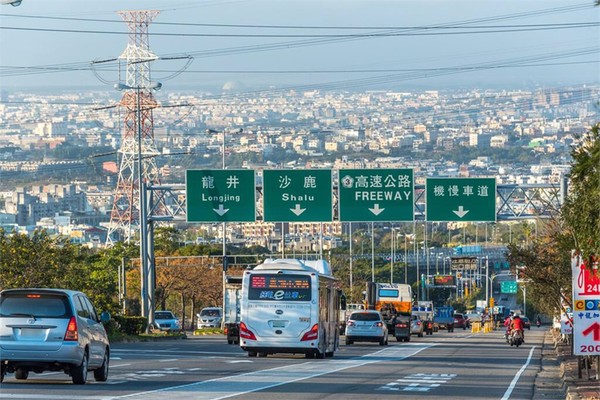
[[558, 378]]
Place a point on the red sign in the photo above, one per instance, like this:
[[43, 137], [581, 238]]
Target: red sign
[[588, 278]]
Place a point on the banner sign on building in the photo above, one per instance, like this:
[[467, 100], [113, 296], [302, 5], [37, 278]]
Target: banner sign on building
[[586, 304]]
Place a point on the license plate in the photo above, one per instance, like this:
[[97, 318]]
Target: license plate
[[278, 324], [29, 334]]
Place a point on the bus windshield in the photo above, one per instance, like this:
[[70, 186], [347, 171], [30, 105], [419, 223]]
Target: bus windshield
[[278, 287], [389, 293]]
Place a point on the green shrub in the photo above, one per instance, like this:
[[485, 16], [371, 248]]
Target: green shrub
[[131, 325]]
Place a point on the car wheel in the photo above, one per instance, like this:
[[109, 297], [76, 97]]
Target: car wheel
[[262, 354], [348, 341], [399, 339], [79, 372], [251, 354], [230, 342], [21, 374], [421, 334], [407, 339], [101, 374], [320, 355], [2, 372]]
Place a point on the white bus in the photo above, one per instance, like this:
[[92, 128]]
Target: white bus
[[290, 306]]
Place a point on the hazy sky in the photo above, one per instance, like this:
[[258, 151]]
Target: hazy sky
[[349, 44]]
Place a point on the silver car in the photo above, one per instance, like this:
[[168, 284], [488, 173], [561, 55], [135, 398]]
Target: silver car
[[366, 326], [51, 330], [210, 317]]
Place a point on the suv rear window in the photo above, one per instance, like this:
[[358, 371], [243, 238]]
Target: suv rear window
[[35, 305], [365, 317]]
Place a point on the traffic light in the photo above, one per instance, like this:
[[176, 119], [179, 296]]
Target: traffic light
[[491, 302]]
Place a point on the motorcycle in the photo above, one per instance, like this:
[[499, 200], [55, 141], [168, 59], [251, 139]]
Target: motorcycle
[[515, 338], [538, 323]]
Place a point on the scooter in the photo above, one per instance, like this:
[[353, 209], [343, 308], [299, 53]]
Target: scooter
[[516, 338], [538, 323]]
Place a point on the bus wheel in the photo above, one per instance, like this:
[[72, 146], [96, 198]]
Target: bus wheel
[[251, 354]]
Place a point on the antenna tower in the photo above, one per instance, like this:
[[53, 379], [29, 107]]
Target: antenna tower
[[138, 128]]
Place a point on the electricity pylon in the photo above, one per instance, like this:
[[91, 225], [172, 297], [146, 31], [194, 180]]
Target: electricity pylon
[[137, 164]]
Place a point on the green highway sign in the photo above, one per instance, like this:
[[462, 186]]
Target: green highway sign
[[508, 287], [376, 195], [461, 199], [299, 195], [220, 195]]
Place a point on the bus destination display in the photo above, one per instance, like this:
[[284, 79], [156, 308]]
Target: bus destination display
[[279, 282], [279, 287]]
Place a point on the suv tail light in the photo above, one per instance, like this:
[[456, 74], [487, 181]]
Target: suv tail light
[[401, 325], [246, 333], [313, 334], [71, 334]]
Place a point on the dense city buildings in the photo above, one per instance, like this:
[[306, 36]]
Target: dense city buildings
[[59, 153]]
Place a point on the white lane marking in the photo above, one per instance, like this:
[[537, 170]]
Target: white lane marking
[[237, 385], [46, 396], [417, 382], [512, 385], [169, 360]]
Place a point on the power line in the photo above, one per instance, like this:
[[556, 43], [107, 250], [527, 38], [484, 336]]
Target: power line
[[312, 27], [483, 30]]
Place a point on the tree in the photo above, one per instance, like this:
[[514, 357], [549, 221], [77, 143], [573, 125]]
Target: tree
[[545, 261], [581, 211]]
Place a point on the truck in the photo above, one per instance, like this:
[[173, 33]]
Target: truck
[[390, 299], [231, 308], [468, 249], [345, 314], [444, 318], [424, 311]]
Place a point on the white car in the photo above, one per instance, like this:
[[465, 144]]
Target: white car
[[210, 317], [366, 326]]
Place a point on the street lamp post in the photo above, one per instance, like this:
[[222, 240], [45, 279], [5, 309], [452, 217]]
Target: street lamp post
[[392, 256]]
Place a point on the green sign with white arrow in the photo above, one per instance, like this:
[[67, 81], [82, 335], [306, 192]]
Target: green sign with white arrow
[[220, 195], [508, 287], [461, 199], [376, 195], [299, 195]]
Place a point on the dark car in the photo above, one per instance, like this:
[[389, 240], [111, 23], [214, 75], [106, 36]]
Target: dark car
[[526, 323], [402, 329], [460, 321]]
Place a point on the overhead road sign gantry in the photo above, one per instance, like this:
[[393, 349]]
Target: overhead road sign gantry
[[376, 195], [299, 195], [461, 199], [220, 195]]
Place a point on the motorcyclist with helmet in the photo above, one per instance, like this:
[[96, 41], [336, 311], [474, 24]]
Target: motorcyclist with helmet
[[517, 325]]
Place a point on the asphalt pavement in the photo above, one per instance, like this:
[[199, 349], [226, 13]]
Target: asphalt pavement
[[558, 377]]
